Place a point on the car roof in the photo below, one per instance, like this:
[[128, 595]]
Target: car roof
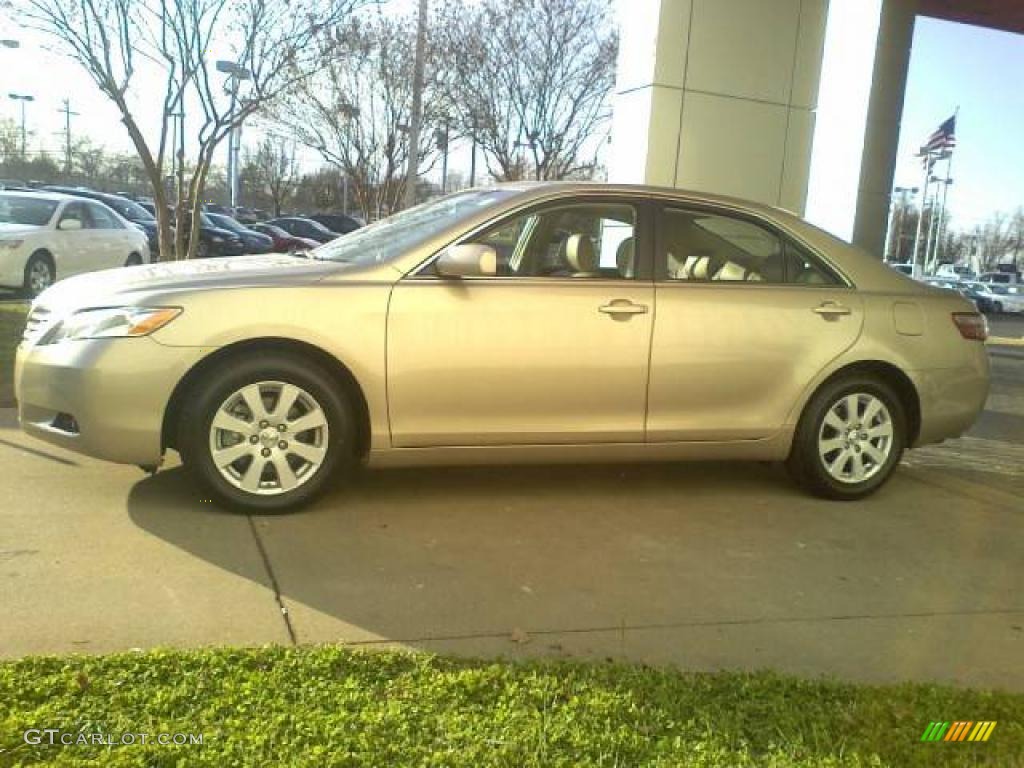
[[56, 197]]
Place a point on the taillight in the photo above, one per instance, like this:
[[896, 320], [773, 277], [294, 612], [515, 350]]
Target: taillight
[[971, 325]]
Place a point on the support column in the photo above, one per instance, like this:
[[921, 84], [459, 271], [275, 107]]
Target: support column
[[882, 132], [719, 96]]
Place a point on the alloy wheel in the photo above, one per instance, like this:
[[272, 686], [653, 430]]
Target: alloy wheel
[[268, 438], [39, 277], [855, 438]]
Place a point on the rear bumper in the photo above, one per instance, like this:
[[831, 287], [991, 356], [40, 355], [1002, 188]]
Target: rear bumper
[[952, 398], [116, 390]]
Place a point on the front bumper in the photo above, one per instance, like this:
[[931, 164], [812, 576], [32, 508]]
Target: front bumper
[[115, 390]]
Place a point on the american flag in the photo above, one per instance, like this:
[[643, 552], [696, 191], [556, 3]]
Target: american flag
[[943, 138]]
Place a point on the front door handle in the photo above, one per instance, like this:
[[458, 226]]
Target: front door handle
[[831, 309], [623, 307]]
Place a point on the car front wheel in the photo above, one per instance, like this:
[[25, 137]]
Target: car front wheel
[[39, 275], [268, 434], [849, 439]]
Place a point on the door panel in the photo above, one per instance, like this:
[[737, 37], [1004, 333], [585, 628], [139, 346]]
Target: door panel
[[729, 361], [506, 361]]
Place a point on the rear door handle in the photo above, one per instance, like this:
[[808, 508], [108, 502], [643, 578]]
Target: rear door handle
[[623, 307], [831, 309]]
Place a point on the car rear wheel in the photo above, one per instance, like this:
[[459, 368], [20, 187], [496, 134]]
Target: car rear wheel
[[202, 250], [133, 261], [267, 435], [849, 439], [39, 275]]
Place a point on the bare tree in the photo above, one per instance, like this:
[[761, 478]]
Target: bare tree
[[271, 45], [355, 110], [274, 170], [530, 79]]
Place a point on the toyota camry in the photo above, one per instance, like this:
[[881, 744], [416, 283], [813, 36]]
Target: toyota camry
[[520, 323]]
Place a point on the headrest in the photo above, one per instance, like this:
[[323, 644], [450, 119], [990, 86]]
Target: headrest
[[811, 275], [701, 268], [624, 257], [580, 253], [731, 271]]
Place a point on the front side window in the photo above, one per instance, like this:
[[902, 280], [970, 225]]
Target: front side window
[[75, 212], [701, 246], [102, 218], [587, 240]]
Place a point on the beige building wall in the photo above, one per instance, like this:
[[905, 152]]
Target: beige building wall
[[719, 96]]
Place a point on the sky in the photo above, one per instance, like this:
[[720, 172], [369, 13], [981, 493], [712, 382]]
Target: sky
[[952, 65]]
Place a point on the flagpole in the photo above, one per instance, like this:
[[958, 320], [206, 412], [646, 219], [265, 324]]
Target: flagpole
[[928, 264], [945, 192], [920, 214], [942, 208]]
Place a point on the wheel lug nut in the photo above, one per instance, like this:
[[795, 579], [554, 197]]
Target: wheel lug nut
[[264, 424], [282, 445], [254, 439], [282, 427], [265, 452]]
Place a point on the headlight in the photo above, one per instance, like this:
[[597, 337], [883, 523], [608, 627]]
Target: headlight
[[110, 322], [12, 244], [216, 239]]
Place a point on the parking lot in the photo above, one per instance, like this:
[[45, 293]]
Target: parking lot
[[703, 565]]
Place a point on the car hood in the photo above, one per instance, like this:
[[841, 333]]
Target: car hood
[[118, 286], [17, 229]]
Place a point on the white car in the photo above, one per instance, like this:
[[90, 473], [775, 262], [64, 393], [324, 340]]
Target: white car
[[48, 236], [1007, 298]]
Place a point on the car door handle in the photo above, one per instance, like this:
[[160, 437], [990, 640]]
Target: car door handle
[[619, 307], [831, 309]]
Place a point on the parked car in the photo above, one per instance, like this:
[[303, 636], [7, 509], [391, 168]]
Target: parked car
[[254, 242], [739, 332], [213, 240], [337, 222], [300, 227], [1005, 277], [976, 293], [1007, 298], [45, 237], [284, 242], [130, 210]]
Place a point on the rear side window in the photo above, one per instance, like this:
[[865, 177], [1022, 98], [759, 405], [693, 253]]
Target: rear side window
[[709, 247], [102, 218]]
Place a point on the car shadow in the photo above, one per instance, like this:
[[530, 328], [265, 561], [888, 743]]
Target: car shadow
[[409, 553]]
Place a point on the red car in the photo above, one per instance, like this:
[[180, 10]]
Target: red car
[[283, 241]]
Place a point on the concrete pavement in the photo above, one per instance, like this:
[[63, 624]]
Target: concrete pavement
[[705, 565]]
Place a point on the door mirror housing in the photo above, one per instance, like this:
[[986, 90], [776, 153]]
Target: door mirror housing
[[468, 260], [69, 225]]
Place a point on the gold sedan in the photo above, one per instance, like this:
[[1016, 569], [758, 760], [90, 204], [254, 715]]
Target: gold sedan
[[520, 323]]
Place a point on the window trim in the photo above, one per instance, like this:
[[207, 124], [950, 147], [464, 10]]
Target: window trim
[[644, 230], [786, 238]]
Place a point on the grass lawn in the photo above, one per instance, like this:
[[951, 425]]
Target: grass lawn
[[12, 322], [327, 706]]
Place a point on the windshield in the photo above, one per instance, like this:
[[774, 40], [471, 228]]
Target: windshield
[[391, 237], [19, 209], [225, 222], [128, 209]]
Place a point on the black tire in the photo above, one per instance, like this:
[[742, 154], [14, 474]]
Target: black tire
[[206, 398], [133, 260], [202, 250], [998, 308], [807, 466], [32, 284]]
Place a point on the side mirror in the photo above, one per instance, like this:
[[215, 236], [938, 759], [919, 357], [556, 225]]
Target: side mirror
[[468, 260], [69, 225]]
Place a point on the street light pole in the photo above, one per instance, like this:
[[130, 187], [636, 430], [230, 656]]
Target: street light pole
[[417, 107], [236, 73], [24, 99], [68, 114]]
